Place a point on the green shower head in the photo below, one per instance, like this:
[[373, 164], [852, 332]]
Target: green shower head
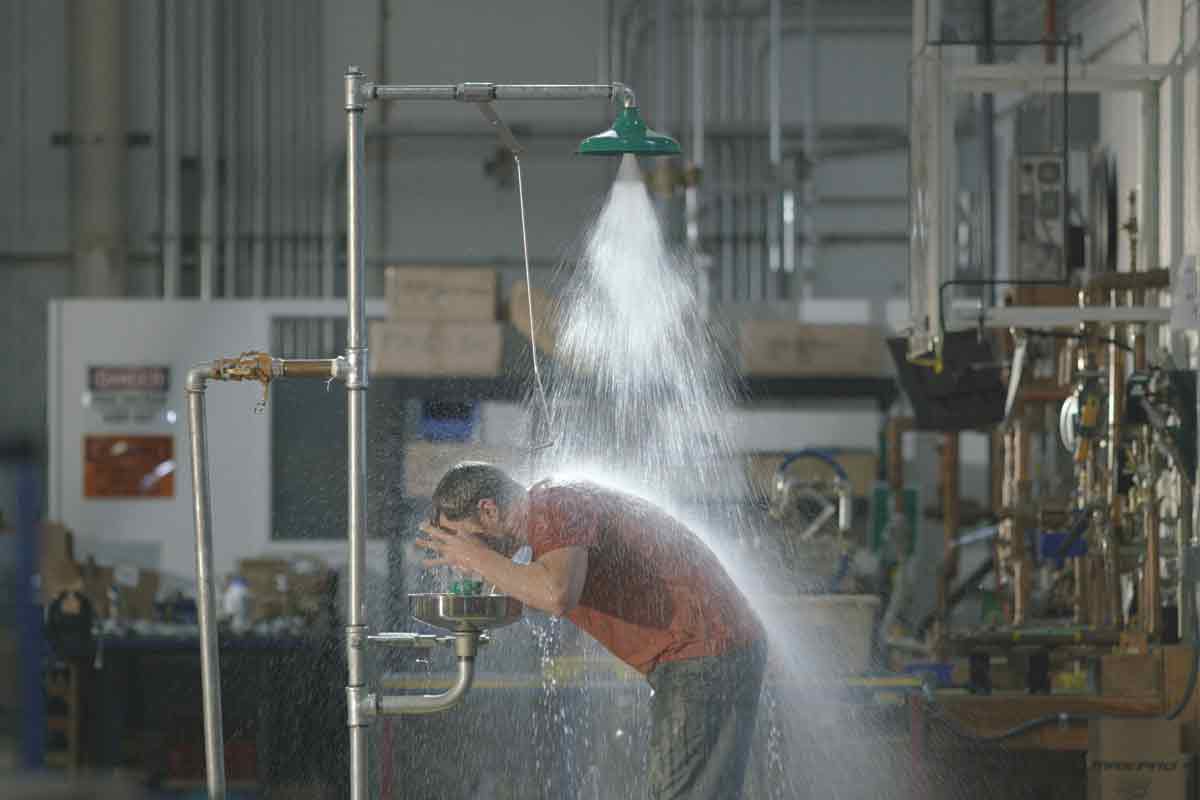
[[629, 134]]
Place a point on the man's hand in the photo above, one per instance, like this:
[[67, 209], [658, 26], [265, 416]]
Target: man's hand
[[464, 551]]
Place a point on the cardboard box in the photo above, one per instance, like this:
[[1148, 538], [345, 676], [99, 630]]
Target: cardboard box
[[463, 294], [426, 462], [421, 349], [58, 569], [268, 580], [137, 588], [544, 316], [861, 466], [1137, 759], [780, 348], [309, 582]]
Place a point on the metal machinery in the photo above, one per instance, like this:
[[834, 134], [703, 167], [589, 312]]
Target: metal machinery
[[1092, 549], [467, 616]]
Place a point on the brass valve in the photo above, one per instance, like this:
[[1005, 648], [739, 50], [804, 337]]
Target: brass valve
[[252, 365]]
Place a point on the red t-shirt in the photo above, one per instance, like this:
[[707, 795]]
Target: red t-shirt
[[654, 591]]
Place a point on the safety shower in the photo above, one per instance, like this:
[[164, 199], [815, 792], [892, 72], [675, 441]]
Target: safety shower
[[466, 617]]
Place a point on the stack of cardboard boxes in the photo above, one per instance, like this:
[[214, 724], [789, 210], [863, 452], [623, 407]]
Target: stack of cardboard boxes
[[286, 587], [441, 323]]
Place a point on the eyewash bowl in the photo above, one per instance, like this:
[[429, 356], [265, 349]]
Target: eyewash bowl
[[465, 613]]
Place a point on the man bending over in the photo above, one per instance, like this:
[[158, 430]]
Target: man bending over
[[638, 581]]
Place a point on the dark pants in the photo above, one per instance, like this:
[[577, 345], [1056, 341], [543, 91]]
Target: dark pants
[[703, 712]]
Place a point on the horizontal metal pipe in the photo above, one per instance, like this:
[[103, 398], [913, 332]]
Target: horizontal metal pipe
[[1054, 316], [566, 91], [395, 704], [482, 92], [309, 367], [444, 92]]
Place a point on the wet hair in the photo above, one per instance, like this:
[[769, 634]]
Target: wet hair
[[464, 485]]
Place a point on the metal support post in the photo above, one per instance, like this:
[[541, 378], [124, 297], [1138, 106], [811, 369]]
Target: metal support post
[[356, 432]]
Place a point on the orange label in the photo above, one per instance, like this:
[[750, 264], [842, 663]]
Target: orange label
[[128, 466]]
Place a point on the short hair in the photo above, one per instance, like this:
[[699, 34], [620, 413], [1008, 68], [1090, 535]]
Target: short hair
[[464, 485]]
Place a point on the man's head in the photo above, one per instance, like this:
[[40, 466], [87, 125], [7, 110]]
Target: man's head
[[479, 498]]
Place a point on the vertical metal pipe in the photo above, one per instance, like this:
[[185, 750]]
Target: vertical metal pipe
[[170, 149], [812, 125], [1116, 413], [259, 105], [699, 84], [775, 81], [232, 85], [1150, 608], [987, 140], [662, 66], [208, 149], [356, 431], [771, 205], [210, 663], [1149, 196]]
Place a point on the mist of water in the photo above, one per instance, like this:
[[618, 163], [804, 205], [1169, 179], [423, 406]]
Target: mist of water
[[639, 400]]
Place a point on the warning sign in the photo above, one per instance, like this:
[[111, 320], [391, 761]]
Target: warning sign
[[122, 395], [128, 466]]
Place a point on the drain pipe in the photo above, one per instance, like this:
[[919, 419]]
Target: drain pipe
[[465, 646]]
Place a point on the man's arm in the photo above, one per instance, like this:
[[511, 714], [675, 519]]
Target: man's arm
[[552, 584]]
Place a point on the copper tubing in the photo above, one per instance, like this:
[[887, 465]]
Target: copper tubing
[[950, 519], [309, 368]]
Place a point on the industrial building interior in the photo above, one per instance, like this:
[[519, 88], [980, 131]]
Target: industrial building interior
[[895, 304]]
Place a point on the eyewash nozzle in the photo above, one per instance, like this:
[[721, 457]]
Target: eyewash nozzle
[[629, 134]]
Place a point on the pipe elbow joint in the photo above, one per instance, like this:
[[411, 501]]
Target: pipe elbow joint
[[392, 705], [198, 377]]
